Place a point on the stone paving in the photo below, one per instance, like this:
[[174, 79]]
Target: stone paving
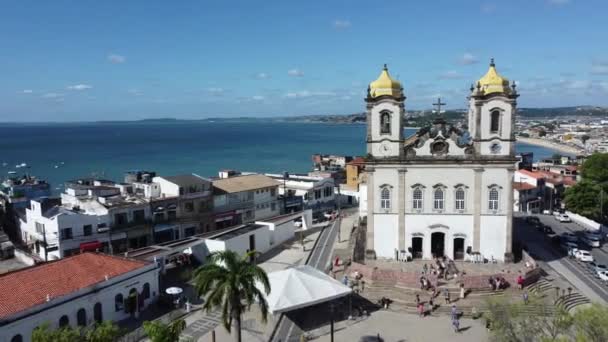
[[200, 327]]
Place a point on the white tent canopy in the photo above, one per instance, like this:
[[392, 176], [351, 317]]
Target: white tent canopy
[[301, 286]]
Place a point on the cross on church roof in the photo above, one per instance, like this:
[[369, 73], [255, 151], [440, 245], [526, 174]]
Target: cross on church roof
[[438, 105]]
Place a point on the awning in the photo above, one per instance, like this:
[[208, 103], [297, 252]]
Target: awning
[[301, 286], [90, 246]]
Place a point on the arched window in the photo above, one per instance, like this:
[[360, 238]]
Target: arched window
[[493, 199], [118, 302], [385, 123], [64, 321], [495, 121], [438, 199], [97, 313], [17, 338], [146, 291], [459, 199], [417, 199], [385, 198], [81, 317]]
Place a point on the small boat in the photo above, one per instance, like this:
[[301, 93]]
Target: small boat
[[56, 166], [12, 172]]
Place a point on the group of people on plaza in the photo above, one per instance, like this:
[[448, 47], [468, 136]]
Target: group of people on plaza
[[440, 268]]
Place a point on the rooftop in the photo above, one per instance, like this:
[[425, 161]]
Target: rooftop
[[243, 183], [29, 287], [244, 229], [532, 174], [522, 186], [184, 180]]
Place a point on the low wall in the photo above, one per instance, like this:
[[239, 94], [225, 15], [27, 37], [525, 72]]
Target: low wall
[[25, 257]]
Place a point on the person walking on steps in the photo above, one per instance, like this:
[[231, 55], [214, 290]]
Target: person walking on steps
[[446, 295]]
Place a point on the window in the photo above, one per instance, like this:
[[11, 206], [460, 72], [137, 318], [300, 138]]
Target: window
[[159, 217], [417, 199], [66, 233], [438, 199], [146, 291], [385, 123], [139, 216], [202, 206], [273, 206], [87, 230], [64, 321], [81, 317], [97, 313], [273, 192], [172, 214], [189, 207], [181, 191], [39, 228], [385, 198], [118, 302], [189, 231], [317, 194], [493, 199], [120, 219], [459, 199], [495, 121]]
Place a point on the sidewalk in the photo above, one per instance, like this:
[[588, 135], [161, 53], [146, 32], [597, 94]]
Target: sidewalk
[[200, 324]]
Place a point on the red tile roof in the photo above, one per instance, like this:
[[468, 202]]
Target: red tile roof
[[357, 161], [522, 186], [532, 174], [28, 287]]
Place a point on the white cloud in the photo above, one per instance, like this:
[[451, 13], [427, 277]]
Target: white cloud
[[80, 87], [558, 2], [116, 59], [306, 93], [27, 91], [262, 76], [468, 59], [257, 98], [295, 73], [52, 95], [450, 75], [599, 68], [341, 24]]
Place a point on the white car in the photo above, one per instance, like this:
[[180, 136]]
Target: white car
[[298, 224], [583, 255], [563, 218], [603, 275]]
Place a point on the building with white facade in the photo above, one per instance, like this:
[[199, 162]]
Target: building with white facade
[[314, 192], [444, 191], [76, 291]]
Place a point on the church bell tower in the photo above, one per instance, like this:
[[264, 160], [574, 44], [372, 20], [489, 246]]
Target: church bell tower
[[385, 116]]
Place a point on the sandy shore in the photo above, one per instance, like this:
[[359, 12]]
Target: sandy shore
[[551, 145]]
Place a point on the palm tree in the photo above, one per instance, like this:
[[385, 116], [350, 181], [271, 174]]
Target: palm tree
[[228, 281]]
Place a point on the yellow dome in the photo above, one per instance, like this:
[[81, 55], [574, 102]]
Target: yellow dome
[[385, 86], [492, 82]]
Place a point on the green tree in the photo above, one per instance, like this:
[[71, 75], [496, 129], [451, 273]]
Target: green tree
[[228, 282], [105, 331], [595, 168], [582, 198], [44, 334], [160, 332], [591, 324]]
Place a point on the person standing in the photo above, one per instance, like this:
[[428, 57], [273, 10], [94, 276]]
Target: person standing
[[431, 305], [425, 269], [525, 296], [456, 324], [417, 300], [461, 290], [446, 295]]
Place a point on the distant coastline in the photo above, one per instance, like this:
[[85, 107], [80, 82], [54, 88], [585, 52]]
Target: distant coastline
[[551, 145]]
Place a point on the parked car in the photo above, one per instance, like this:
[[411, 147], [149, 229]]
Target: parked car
[[563, 218], [583, 255], [548, 229], [593, 240], [570, 247], [547, 212], [603, 275], [597, 268], [570, 237], [532, 220]]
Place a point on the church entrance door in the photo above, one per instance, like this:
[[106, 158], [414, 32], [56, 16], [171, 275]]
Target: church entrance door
[[458, 248], [417, 247], [437, 244]]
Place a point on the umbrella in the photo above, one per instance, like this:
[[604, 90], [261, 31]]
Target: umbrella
[[174, 290]]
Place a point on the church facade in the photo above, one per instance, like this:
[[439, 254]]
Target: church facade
[[446, 190]]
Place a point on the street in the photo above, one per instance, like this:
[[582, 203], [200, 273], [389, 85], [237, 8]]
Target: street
[[319, 259], [543, 248]]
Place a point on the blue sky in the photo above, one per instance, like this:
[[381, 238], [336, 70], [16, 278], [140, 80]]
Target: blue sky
[[107, 60]]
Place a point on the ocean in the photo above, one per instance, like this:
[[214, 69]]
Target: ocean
[[59, 152]]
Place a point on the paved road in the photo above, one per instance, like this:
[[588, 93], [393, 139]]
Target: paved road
[[578, 273], [319, 258]]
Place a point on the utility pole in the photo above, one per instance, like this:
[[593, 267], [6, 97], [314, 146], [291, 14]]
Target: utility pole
[[285, 176], [46, 247]]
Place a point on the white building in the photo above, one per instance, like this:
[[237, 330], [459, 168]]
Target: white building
[[317, 193], [74, 291], [444, 191], [54, 230]]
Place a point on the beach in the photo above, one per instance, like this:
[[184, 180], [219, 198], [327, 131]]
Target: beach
[[563, 148]]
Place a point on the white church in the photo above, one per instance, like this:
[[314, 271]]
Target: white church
[[446, 190]]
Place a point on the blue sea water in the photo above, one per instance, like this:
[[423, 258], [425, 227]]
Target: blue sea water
[[109, 149]]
